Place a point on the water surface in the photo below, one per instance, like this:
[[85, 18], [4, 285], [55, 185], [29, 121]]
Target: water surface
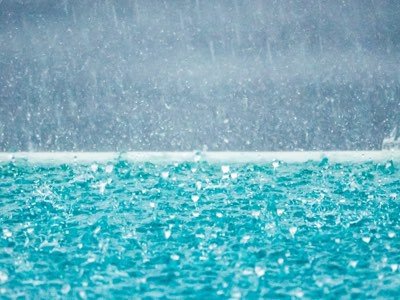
[[318, 229]]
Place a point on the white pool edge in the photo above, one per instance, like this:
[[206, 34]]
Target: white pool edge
[[215, 157]]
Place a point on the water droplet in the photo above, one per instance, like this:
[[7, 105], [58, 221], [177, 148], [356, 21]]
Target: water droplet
[[167, 234], [164, 175], [3, 277], [293, 231], [225, 169], [247, 271], [195, 198], [195, 214], [353, 263], [175, 257], [29, 230], [245, 239], [366, 239], [255, 214], [152, 205], [66, 287], [299, 294], [259, 271], [394, 267], [391, 234], [198, 185], [7, 233], [82, 294], [219, 215], [234, 175], [279, 212], [281, 261], [109, 168], [94, 168]]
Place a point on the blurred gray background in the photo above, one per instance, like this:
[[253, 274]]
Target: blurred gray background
[[194, 74]]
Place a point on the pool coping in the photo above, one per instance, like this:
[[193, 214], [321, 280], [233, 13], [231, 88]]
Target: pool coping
[[214, 156]]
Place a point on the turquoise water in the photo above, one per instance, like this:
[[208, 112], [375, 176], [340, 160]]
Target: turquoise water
[[198, 230]]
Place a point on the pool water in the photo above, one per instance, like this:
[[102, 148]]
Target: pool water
[[122, 229]]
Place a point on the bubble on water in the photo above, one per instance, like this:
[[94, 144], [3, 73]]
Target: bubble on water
[[293, 231], [7, 233], [94, 168], [353, 263], [366, 239], [394, 267], [65, 289], [219, 215], [225, 169], [164, 175], [3, 277], [391, 234], [195, 198], [260, 271], [281, 261], [234, 175], [279, 211], [175, 257], [109, 168]]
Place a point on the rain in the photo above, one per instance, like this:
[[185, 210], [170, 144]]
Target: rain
[[187, 75]]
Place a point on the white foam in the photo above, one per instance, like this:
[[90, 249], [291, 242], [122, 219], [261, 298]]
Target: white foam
[[216, 157]]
